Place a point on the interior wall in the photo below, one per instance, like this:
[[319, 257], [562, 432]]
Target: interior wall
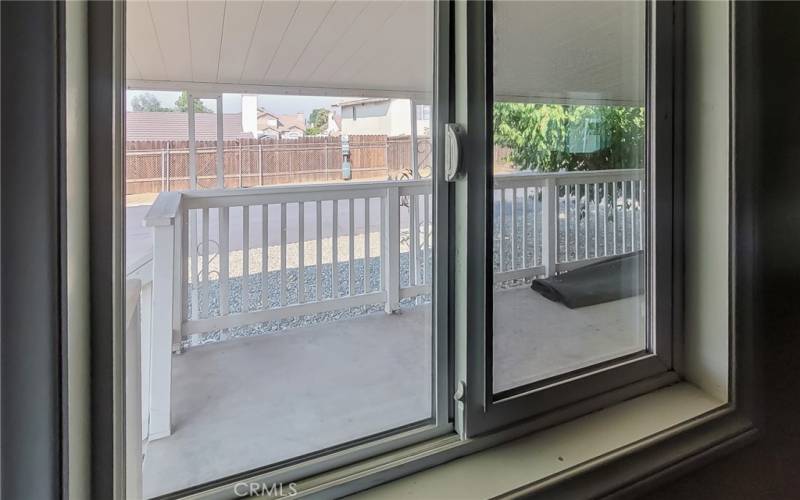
[[768, 468]]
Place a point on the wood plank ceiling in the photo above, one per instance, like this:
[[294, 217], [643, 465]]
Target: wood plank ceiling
[[554, 51]]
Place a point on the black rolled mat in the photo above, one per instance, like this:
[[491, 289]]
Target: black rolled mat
[[612, 279]]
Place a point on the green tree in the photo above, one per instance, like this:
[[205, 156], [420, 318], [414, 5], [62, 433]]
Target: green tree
[[147, 102], [317, 121], [542, 137], [182, 104]]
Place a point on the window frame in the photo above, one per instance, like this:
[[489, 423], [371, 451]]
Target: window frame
[[481, 411], [693, 443], [440, 424]]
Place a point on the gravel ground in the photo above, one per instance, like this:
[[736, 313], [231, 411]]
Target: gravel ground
[[253, 293]]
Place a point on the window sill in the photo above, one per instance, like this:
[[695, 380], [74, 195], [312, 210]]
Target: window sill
[[545, 459]]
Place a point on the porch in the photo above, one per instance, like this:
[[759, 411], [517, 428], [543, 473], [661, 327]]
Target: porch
[[265, 311], [256, 400]]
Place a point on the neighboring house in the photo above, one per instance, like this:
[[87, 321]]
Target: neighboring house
[[281, 126], [334, 127], [383, 116], [174, 126]]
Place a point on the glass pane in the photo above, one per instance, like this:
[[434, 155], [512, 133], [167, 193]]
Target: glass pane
[[289, 312], [569, 188]]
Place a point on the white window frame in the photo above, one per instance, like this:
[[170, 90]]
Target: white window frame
[[480, 410]]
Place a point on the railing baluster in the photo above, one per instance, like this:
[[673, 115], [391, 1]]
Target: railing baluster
[[193, 264], [301, 251], [614, 216], [641, 214], [224, 259], [513, 228], [318, 276], [550, 226], [596, 214], [634, 232], [264, 256], [502, 229], [413, 232], [335, 251], [367, 273], [283, 254], [577, 220], [392, 250], [566, 222], [525, 227], [537, 193], [585, 221], [204, 291], [425, 250], [351, 247], [624, 216], [383, 244], [183, 311], [605, 218], [245, 258]]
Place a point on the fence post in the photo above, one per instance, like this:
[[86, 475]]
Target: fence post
[[549, 226], [164, 217], [391, 251], [167, 162], [240, 163], [260, 170], [163, 170]]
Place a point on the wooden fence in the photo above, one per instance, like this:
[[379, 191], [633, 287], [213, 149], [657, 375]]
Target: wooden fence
[[156, 166]]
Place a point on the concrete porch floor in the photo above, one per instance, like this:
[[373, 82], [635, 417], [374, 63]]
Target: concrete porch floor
[[249, 402]]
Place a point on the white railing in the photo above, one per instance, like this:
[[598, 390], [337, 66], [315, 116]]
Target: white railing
[[326, 267], [549, 223], [140, 328], [291, 251]]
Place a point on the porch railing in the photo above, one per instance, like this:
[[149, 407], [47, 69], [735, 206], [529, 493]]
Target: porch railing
[[286, 252]]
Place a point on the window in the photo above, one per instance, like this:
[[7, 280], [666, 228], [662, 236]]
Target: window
[[301, 328], [567, 233], [423, 112], [290, 280]]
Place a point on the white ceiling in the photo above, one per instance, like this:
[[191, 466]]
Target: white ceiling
[[550, 51], [570, 51], [311, 47]]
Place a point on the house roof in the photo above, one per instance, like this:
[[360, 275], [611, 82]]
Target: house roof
[[285, 122], [174, 126], [289, 121], [368, 100]]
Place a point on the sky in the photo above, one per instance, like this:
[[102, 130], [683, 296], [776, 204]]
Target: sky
[[232, 103]]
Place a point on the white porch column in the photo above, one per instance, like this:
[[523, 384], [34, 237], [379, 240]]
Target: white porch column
[[391, 249], [414, 152], [220, 145], [192, 216], [164, 217], [192, 145], [549, 226]]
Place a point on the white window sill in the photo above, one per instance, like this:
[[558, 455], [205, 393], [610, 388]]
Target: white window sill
[[557, 452]]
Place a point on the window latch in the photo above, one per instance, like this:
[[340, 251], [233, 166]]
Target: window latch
[[453, 137]]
